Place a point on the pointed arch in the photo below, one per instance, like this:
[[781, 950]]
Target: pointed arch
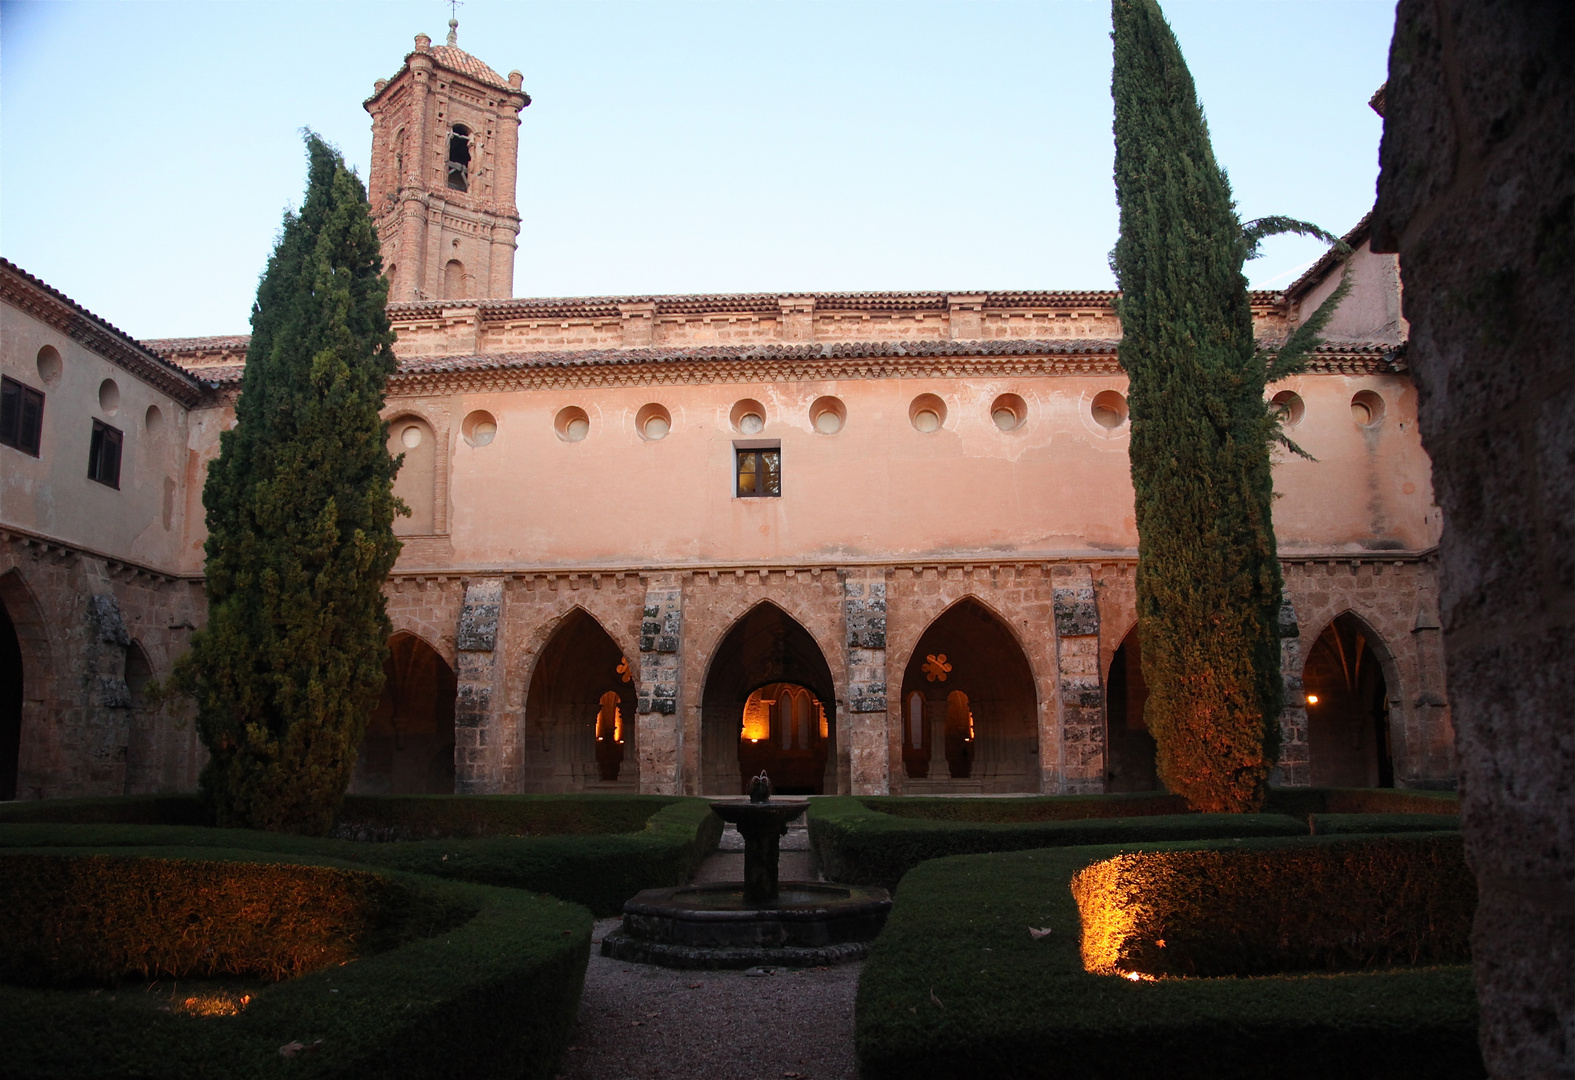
[[1129, 748], [408, 748], [985, 740], [575, 737], [767, 664], [142, 751], [26, 685], [1353, 697]]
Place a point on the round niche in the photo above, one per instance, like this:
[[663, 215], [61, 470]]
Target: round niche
[[927, 413], [827, 415], [49, 364], [1009, 412], [748, 417], [1109, 409], [572, 424], [653, 422], [153, 420], [1289, 406], [479, 428], [109, 397], [1367, 408], [410, 435]]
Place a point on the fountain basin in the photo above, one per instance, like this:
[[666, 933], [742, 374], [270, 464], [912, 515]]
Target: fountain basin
[[714, 926]]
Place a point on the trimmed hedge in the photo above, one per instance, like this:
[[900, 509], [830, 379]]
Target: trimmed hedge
[[957, 986], [1032, 808], [1351, 905], [855, 844], [493, 995], [599, 870], [1301, 802]]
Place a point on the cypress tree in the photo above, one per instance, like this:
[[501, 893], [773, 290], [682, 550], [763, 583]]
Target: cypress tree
[[299, 512], [1208, 574]]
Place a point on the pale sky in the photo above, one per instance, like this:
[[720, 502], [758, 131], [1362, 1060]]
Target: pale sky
[[148, 150]]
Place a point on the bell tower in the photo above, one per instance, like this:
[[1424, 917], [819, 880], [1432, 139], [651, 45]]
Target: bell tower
[[445, 155]]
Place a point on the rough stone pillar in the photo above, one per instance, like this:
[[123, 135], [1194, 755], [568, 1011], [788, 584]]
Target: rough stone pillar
[[1429, 759], [478, 734], [864, 719], [106, 699], [1477, 194], [1294, 768], [658, 731], [1080, 765]]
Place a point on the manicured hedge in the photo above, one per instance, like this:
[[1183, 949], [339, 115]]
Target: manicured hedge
[[599, 870], [1360, 903], [854, 843], [1032, 808], [1300, 802], [957, 986], [493, 994]]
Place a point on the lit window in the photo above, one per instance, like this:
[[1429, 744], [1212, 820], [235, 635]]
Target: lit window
[[104, 454], [759, 473], [21, 416]]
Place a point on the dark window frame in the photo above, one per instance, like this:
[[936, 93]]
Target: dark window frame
[[104, 454], [21, 416], [765, 460]]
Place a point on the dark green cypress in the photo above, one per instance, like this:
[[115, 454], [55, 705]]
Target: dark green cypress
[[300, 511], [1208, 576]]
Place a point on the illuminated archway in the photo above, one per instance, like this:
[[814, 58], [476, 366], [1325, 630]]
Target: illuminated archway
[[969, 708], [408, 748], [1129, 748], [579, 712], [1348, 731], [769, 704]]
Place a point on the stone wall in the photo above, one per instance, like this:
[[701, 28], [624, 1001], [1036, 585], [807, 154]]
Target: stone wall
[[1477, 194]]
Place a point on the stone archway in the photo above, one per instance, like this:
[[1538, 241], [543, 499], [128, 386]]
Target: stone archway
[[769, 703], [1129, 748], [579, 712], [1349, 742], [25, 676], [408, 748], [969, 708]]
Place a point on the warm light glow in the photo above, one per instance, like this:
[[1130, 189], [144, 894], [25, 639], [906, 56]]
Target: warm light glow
[[825, 725], [1312, 699], [757, 717], [217, 1003]]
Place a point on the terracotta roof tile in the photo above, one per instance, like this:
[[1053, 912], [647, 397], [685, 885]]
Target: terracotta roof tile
[[457, 59]]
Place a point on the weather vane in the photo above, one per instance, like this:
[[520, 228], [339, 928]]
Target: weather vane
[[453, 20]]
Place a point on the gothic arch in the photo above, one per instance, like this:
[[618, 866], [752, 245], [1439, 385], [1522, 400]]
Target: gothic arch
[[1355, 725], [24, 736], [1129, 748], [766, 650], [570, 742], [408, 748], [986, 741]]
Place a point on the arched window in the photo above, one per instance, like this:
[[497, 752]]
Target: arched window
[[459, 157]]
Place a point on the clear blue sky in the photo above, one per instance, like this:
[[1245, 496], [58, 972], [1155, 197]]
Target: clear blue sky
[[148, 150]]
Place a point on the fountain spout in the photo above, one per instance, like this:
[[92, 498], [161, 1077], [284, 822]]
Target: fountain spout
[[762, 823]]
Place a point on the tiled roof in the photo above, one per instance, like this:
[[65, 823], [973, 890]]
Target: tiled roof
[[457, 59], [199, 344], [1315, 273]]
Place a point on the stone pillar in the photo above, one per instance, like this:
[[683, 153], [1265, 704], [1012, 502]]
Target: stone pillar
[[478, 735], [106, 699], [1429, 760], [863, 719], [1294, 767], [1477, 195], [1079, 767], [658, 730]]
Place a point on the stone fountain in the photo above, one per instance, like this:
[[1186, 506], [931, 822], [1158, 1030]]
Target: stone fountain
[[759, 921]]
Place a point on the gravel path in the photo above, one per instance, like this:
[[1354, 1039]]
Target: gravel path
[[652, 1023]]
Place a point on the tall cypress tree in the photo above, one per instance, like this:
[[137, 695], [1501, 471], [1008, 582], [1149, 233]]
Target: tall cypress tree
[[1208, 574], [300, 511]]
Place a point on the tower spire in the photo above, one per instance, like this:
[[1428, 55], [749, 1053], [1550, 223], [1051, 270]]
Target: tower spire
[[453, 22]]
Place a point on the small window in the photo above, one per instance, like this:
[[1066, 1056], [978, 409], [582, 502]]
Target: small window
[[21, 416], [459, 158], [104, 454], [759, 473]]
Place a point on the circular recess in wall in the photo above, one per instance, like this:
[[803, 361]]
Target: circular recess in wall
[[109, 397], [653, 422], [409, 435], [49, 363], [828, 414], [153, 420], [1367, 408], [571, 423], [1109, 409], [479, 428], [748, 417], [1009, 412], [927, 413], [1290, 407]]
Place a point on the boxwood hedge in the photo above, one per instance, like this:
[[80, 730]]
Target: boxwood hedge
[[471, 981], [957, 985]]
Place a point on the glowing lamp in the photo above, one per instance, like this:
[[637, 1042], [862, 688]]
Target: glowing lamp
[[1312, 699]]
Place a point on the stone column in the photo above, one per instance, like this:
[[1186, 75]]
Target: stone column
[[862, 719], [1294, 768], [658, 732], [106, 699], [1081, 761], [478, 738]]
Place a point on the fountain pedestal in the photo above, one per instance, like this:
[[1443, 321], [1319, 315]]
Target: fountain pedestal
[[762, 825]]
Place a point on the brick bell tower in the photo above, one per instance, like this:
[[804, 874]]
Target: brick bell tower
[[445, 154]]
